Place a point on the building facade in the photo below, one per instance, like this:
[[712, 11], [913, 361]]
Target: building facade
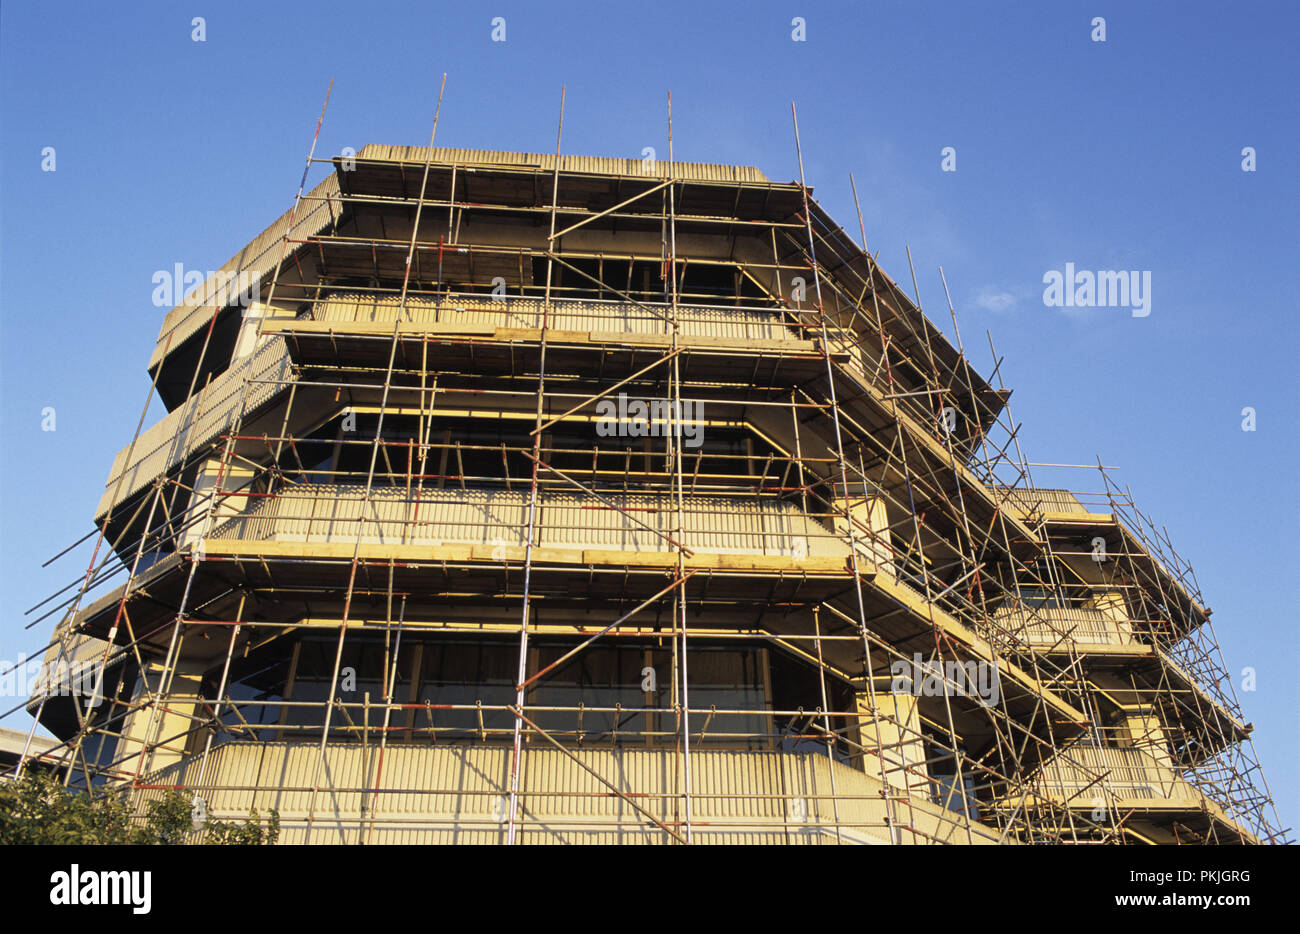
[[512, 498]]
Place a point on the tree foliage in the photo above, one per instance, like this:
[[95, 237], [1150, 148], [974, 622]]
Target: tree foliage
[[37, 809]]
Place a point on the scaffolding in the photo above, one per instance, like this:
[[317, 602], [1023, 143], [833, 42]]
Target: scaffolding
[[550, 498]]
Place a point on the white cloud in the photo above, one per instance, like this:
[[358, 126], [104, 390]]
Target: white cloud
[[994, 300]]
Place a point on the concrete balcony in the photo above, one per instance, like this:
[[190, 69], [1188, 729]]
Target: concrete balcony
[[321, 513], [460, 794], [593, 316], [1049, 627], [1122, 773], [1137, 782], [196, 423]]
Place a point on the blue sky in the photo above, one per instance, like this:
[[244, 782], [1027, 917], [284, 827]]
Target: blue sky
[[1117, 155]]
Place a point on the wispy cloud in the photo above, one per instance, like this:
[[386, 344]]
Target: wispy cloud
[[995, 300]]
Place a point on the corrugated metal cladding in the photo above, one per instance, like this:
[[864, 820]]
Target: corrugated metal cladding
[[713, 524], [1130, 773], [604, 317], [197, 421], [592, 165], [254, 260], [459, 794]]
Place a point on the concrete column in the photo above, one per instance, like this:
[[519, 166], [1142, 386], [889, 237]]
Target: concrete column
[[1112, 607], [174, 715], [902, 749], [234, 478], [871, 514], [248, 342], [1147, 733]]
